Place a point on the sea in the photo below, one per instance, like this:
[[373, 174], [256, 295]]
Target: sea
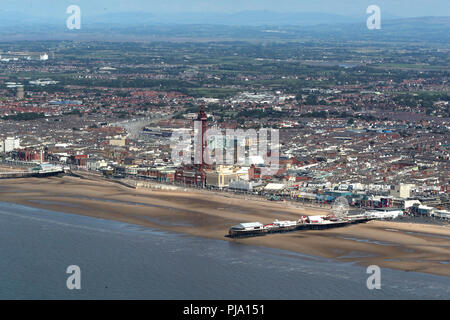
[[123, 261]]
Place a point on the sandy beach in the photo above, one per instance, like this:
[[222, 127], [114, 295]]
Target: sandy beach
[[396, 245]]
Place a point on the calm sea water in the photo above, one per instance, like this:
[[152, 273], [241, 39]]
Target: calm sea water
[[122, 261]]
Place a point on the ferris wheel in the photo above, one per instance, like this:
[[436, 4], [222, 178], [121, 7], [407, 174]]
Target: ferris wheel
[[340, 207]]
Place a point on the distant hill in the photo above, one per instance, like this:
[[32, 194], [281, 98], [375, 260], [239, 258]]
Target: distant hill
[[243, 18], [249, 25], [13, 19], [427, 29]]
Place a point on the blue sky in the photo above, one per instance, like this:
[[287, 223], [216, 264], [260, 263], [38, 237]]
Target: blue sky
[[400, 8]]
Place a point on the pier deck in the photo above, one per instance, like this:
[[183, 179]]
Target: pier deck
[[300, 226]]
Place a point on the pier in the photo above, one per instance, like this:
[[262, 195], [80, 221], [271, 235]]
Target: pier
[[269, 229], [25, 174], [38, 170]]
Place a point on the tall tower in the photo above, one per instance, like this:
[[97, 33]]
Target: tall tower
[[201, 174], [202, 116]]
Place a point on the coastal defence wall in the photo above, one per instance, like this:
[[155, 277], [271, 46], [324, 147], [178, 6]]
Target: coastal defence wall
[[17, 174], [94, 176], [159, 186], [24, 174], [130, 183]]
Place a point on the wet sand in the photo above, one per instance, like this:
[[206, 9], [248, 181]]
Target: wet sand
[[404, 246]]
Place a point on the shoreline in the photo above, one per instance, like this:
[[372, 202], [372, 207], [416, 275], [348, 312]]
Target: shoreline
[[395, 245]]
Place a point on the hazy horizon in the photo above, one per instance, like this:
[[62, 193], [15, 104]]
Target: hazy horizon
[[47, 19], [395, 8]]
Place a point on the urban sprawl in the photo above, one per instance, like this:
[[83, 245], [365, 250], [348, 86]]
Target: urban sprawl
[[370, 124]]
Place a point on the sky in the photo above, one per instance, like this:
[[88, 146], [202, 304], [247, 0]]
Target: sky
[[400, 8]]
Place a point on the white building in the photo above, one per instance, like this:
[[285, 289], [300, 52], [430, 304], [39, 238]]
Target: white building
[[401, 190], [244, 185], [384, 213], [410, 203], [223, 176], [95, 164], [274, 187], [9, 144]]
